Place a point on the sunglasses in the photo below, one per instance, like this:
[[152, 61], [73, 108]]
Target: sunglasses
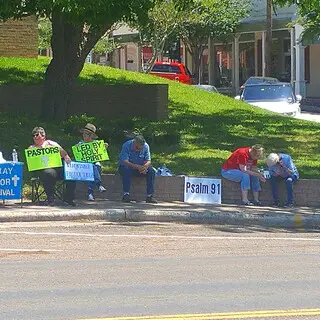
[[36, 135]]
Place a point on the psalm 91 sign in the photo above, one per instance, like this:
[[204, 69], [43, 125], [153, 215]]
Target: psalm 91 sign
[[90, 151], [202, 190]]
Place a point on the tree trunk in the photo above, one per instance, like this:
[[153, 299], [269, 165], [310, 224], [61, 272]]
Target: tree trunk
[[196, 52], [268, 42], [71, 45], [156, 51], [56, 93]]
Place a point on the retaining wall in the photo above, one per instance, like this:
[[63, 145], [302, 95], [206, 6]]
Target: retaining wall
[[306, 191], [107, 101]]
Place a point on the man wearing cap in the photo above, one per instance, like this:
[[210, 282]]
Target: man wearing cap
[[89, 135], [135, 160], [49, 176], [281, 167]]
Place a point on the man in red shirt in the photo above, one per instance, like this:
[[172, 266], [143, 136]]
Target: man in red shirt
[[241, 167]]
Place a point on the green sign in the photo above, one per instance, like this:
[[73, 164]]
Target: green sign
[[90, 151], [42, 158]]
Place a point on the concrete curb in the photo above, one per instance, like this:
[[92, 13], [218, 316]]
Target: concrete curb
[[279, 219], [276, 219], [69, 215]]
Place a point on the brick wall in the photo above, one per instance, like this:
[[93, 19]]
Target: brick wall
[[166, 188], [109, 102], [306, 192], [19, 38]]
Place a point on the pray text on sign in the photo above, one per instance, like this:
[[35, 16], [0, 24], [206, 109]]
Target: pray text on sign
[[10, 180]]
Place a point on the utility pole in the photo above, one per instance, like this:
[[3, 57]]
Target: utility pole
[[268, 40]]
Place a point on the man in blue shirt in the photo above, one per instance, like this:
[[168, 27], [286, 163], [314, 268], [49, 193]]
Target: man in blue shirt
[[135, 160], [281, 167]]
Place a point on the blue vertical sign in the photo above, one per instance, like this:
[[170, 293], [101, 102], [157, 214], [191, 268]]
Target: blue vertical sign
[[10, 180]]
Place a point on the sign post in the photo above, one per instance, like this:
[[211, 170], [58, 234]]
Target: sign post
[[11, 181], [202, 190]]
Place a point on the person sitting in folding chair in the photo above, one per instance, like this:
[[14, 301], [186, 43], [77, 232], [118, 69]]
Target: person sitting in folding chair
[[49, 176]]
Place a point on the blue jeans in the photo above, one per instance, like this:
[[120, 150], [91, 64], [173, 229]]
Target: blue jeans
[[127, 172], [289, 186], [247, 182], [97, 178]]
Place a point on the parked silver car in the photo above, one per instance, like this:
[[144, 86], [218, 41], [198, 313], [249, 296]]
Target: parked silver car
[[206, 87], [273, 96]]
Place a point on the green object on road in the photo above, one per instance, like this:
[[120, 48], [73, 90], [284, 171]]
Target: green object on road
[[43, 158]]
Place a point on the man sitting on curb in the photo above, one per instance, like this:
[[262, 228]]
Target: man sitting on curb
[[135, 160], [281, 167]]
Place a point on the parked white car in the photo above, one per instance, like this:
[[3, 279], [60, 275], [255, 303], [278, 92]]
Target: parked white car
[[276, 97], [206, 87]]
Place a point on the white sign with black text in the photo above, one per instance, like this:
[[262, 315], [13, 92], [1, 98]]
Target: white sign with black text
[[202, 190], [78, 171]]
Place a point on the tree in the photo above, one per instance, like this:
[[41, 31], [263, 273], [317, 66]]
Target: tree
[[216, 18], [309, 11], [77, 25], [45, 33], [162, 22]]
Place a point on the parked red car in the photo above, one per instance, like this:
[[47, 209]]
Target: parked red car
[[172, 71]]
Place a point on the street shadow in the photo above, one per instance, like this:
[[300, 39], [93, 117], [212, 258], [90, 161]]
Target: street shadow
[[258, 229], [98, 79]]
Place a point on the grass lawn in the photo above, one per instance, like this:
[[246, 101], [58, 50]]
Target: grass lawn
[[202, 129]]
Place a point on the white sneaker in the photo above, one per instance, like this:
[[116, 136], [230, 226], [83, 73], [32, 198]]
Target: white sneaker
[[90, 197], [102, 189]]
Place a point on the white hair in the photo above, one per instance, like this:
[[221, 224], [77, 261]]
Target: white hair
[[272, 159]]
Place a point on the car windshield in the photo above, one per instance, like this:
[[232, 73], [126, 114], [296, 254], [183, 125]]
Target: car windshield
[[253, 80], [166, 68], [206, 87], [267, 93]]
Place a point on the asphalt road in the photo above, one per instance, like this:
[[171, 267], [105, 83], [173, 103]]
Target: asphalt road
[[84, 270]]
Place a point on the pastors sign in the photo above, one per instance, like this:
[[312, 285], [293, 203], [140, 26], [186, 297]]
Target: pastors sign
[[202, 190]]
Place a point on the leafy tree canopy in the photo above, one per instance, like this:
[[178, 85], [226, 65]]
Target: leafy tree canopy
[[309, 11], [77, 11], [216, 18], [163, 20]]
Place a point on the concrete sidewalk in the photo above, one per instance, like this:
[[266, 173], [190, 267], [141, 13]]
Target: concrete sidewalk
[[299, 217]]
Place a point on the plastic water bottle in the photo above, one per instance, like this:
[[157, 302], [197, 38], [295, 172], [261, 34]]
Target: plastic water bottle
[[14, 155], [2, 160]]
